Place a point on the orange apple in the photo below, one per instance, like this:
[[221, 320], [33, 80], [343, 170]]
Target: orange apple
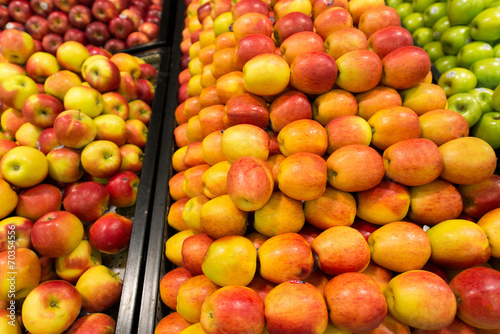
[[191, 185], [443, 125], [377, 18], [194, 155], [333, 208], [245, 140], [355, 168], [300, 42], [333, 104], [172, 323], [424, 97], [331, 20], [212, 150], [193, 251], [413, 162], [434, 202], [174, 217], [252, 23], [219, 217], [303, 136], [359, 71], [347, 130], [381, 275], [214, 180], [230, 85], [405, 67], [377, 99], [345, 40], [191, 295]]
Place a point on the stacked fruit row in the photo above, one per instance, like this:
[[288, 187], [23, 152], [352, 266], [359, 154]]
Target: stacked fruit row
[[111, 24], [320, 184], [74, 127], [461, 38]]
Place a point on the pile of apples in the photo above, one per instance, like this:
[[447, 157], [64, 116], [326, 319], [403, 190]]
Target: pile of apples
[[321, 185], [112, 24], [462, 39], [74, 127]]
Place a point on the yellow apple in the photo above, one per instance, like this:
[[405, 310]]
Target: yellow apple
[[24, 166], [219, 217], [173, 246], [490, 225], [245, 140], [266, 74], [424, 97], [85, 99], [8, 199], [191, 213], [71, 55]]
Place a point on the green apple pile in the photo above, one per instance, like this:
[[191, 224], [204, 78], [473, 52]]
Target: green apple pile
[[320, 184], [73, 131], [462, 37]]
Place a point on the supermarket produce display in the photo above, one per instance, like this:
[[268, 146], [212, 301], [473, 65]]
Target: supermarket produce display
[[326, 176], [77, 170], [115, 25]]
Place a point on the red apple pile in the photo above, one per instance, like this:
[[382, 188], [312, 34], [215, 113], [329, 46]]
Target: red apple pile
[[321, 185], [74, 128], [111, 24]]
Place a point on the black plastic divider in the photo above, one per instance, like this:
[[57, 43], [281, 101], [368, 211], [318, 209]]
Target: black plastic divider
[[152, 309], [133, 277]]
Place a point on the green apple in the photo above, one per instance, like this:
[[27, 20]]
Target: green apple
[[434, 12], [413, 21], [423, 36], [440, 27], [445, 63], [454, 38], [496, 51], [393, 3], [488, 129], [404, 10], [472, 52], [434, 50], [457, 80], [461, 12], [495, 99], [466, 105], [483, 96], [489, 3], [486, 25], [421, 5], [494, 4], [487, 72]]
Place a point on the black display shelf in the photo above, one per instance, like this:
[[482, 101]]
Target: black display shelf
[[152, 309], [133, 261]]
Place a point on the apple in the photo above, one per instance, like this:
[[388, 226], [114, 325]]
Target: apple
[[114, 45], [424, 97], [58, 22], [102, 75], [74, 129], [170, 283], [121, 26], [172, 323], [134, 16], [76, 35], [11, 120], [331, 20], [72, 265], [140, 110], [122, 188], [41, 65], [39, 309], [87, 200], [41, 110], [486, 128], [485, 25], [434, 12], [305, 78], [480, 198], [355, 302], [397, 71], [411, 20], [136, 38], [80, 16], [86, 100], [24, 166], [128, 86], [483, 96], [303, 135], [59, 83], [64, 164], [51, 42], [477, 307], [20, 10], [71, 56], [9, 198], [16, 89], [419, 288], [472, 52], [266, 74], [101, 158], [290, 24], [347, 130], [150, 29], [295, 304], [455, 38], [100, 288], [445, 63], [424, 36], [251, 46], [42, 7], [15, 233], [457, 80], [8, 69], [98, 323], [288, 107], [233, 308], [37, 26], [351, 66], [344, 40], [97, 33], [462, 12], [47, 140], [435, 50], [377, 18], [146, 91], [487, 72], [137, 133], [36, 201], [104, 11], [191, 295], [65, 5], [27, 135], [110, 233]]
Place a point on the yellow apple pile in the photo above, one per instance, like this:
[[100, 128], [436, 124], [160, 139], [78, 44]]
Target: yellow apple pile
[[73, 130], [317, 178]]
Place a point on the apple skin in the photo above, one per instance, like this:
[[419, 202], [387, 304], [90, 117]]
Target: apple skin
[[110, 233], [64, 164], [290, 24], [20, 227], [251, 46], [87, 200], [486, 25], [123, 188], [356, 303], [98, 323], [313, 72], [405, 67], [74, 129], [295, 306], [288, 107], [170, 283], [101, 158], [344, 40], [38, 311], [477, 289], [431, 124], [259, 79], [377, 18], [418, 288], [38, 200], [320, 212], [100, 289], [41, 110], [303, 135], [480, 198], [331, 20], [72, 265], [26, 276], [17, 46], [353, 68], [233, 308], [16, 89]]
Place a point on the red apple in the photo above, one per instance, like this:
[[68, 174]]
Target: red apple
[[104, 11], [17, 46], [97, 33], [51, 43], [114, 45], [36, 201], [150, 29], [58, 22], [37, 26], [65, 5], [41, 110], [134, 16], [74, 34], [74, 129], [47, 140], [313, 72], [359, 71], [96, 323], [64, 164], [482, 197], [100, 289], [405, 67], [20, 10], [42, 7], [87, 200], [4, 17], [146, 91], [122, 188], [80, 16], [103, 75], [111, 233], [136, 38], [121, 26], [290, 24], [251, 46]]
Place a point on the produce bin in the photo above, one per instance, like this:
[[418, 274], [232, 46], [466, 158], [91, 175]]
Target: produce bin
[[129, 264], [152, 310]]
